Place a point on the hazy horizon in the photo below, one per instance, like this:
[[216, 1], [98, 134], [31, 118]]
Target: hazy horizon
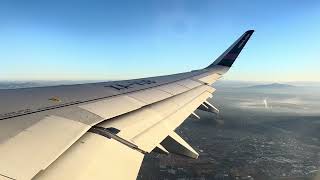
[[220, 84]]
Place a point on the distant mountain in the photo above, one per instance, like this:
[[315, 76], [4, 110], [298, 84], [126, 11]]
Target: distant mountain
[[272, 86], [29, 84], [16, 85]]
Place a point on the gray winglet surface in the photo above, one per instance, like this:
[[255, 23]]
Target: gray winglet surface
[[230, 55]]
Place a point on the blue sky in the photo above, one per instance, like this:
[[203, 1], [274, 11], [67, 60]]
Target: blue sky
[[102, 40]]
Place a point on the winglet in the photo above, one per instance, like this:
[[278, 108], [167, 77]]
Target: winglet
[[231, 54]]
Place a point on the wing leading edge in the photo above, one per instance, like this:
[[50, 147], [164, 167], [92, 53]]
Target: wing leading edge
[[127, 119]]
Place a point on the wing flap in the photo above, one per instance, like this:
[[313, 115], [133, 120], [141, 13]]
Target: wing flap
[[149, 138], [35, 148], [149, 125], [133, 123], [176, 119], [95, 157]]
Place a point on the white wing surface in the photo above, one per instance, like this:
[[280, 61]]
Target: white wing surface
[[102, 130]]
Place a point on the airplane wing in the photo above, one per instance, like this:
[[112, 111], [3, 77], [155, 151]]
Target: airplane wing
[[102, 130]]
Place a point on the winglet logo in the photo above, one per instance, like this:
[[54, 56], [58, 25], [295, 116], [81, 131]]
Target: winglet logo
[[244, 40]]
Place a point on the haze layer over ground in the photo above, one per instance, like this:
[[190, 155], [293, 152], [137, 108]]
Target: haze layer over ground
[[268, 131]]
